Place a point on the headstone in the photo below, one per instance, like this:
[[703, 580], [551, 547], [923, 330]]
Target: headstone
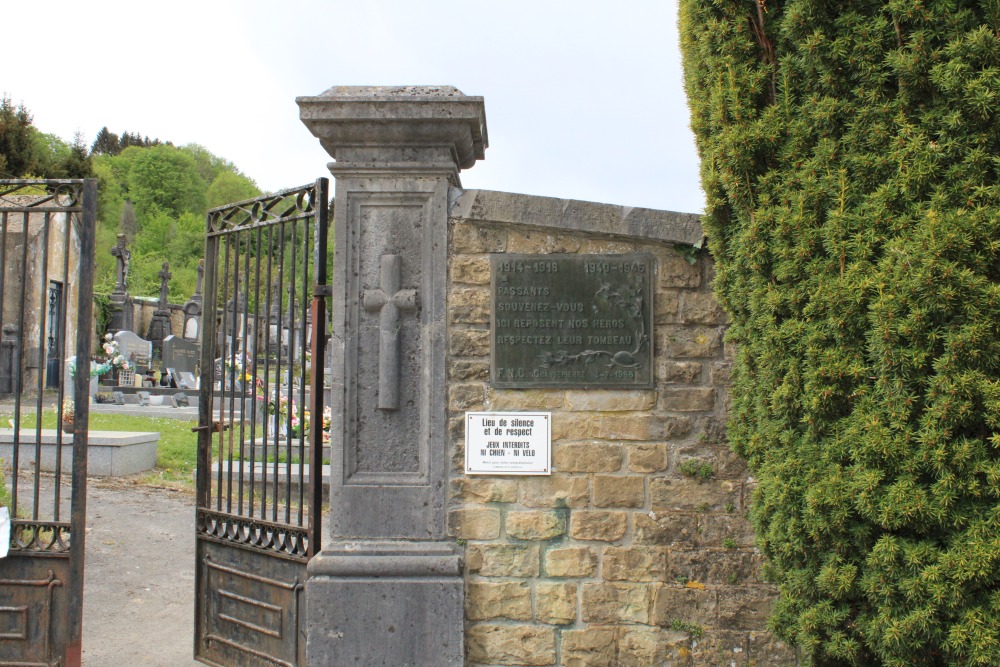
[[186, 380], [138, 351], [180, 400], [118, 397], [180, 354], [143, 398], [159, 325], [121, 302]]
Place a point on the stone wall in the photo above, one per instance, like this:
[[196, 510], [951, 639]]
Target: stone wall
[[636, 550]]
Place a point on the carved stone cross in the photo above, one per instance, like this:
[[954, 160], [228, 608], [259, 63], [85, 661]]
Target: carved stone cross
[[388, 300], [122, 254], [165, 275]]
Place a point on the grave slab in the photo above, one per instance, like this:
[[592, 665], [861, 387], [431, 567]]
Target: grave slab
[[109, 453]]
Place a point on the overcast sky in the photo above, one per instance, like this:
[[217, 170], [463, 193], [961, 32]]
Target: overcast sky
[[584, 98]]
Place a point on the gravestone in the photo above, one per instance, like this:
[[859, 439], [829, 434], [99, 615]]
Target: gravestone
[[143, 398], [180, 400], [121, 302], [138, 351], [180, 355], [159, 325], [118, 397]]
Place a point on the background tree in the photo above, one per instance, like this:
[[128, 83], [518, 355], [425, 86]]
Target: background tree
[[853, 210], [17, 148]]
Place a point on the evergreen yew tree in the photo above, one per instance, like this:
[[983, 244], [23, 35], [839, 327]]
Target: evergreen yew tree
[[850, 154]]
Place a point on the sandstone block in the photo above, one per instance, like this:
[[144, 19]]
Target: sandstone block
[[525, 399], [693, 494], [469, 343], [589, 647], [616, 491], [554, 491], [766, 650], [616, 603], [722, 373], [718, 528], [503, 560], [648, 458], [484, 490], [605, 426], [470, 269], [696, 342], [690, 605], [641, 646], [666, 307], [527, 241], [469, 370], [702, 308], [469, 305], [724, 647], [494, 644], [535, 525], [687, 399], [635, 564], [598, 525], [666, 529], [714, 566], [675, 271], [610, 400], [679, 372], [588, 457], [468, 238], [555, 604], [570, 562], [489, 600], [474, 523], [745, 608], [466, 396]]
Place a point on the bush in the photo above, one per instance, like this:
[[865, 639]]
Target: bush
[[853, 210]]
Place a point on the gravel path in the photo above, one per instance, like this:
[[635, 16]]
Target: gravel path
[[138, 596]]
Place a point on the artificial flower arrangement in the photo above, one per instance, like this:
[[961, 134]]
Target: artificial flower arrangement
[[114, 359]]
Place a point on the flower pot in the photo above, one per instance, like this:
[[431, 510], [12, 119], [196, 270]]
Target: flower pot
[[67, 427]]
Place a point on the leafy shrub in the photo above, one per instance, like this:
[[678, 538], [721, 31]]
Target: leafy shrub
[[849, 159]]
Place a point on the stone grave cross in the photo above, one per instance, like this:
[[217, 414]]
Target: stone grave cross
[[122, 254], [165, 275], [388, 300]]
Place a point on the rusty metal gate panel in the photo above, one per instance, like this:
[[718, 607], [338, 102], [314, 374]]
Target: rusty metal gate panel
[[47, 296], [261, 426]]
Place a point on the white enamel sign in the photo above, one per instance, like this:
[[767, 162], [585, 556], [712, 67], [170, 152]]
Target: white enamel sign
[[508, 443]]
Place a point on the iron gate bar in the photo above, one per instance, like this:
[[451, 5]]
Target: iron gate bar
[[266, 253], [46, 551]]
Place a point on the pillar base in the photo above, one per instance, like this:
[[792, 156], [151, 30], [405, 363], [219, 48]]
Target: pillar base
[[398, 604]]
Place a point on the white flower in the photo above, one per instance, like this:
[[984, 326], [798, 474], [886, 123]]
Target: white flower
[[108, 337], [120, 361]]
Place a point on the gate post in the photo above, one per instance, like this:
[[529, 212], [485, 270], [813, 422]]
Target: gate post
[[387, 587]]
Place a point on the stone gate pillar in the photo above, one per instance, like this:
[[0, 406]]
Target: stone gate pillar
[[387, 587]]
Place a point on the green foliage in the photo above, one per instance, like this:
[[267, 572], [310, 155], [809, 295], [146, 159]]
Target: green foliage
[[702, 470], [849, 160], [27, 153], [171, 189], [693, 630]]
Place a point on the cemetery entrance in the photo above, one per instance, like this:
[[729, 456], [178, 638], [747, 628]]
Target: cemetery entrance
[[46, 291], [261, 426]]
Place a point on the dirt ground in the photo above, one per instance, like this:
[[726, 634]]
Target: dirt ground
[[138, 600]]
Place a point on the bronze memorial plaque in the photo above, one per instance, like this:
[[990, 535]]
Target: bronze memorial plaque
[[572, 320]]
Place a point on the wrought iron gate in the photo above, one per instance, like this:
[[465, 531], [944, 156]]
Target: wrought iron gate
[[261, 426], [46, 247]]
